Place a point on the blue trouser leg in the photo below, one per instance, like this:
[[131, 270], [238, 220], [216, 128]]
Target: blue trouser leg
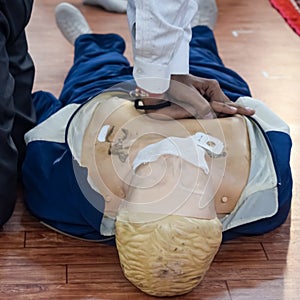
[[99, 64]]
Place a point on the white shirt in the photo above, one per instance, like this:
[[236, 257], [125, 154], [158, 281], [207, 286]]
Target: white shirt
[[161, 32]]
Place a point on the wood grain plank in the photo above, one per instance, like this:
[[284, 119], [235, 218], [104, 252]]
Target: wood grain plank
[[241, 252], [12, 239], [277, 250], [50, 239], [96, 273], [247, 270], [277, 289], [58, 256], [37, 274]]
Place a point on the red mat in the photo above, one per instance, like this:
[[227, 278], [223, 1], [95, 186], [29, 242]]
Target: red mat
[[290, 11]]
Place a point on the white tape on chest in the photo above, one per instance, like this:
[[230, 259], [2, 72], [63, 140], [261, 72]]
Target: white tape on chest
[[191, 149]]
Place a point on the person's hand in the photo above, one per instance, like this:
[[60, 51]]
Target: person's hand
[[192, 96], [179, 102], [210, 90]]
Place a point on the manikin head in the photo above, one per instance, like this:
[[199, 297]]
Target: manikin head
[[163, 182], [166, 255]]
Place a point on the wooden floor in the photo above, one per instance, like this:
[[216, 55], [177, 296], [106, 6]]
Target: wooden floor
[[37, 263]]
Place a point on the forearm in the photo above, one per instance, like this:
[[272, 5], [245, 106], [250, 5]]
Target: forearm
[[161, 36]]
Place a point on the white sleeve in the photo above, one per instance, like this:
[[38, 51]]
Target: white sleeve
[[161, 33]]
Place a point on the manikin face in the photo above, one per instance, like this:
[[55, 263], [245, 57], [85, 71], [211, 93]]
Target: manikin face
[[163, 189]]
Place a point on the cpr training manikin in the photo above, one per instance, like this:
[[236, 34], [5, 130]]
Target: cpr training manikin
[[171, 189]]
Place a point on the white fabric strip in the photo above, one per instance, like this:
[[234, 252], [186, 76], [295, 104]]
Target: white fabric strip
[[191, 149], [266, 118], [54, 128]]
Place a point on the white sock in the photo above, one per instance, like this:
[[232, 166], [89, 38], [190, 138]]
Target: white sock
[[118, 6]]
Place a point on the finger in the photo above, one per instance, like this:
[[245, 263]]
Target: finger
[[247, 111], [223, 108], [231, 108]]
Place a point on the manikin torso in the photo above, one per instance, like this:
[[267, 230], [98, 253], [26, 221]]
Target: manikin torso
[[117, 132]]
